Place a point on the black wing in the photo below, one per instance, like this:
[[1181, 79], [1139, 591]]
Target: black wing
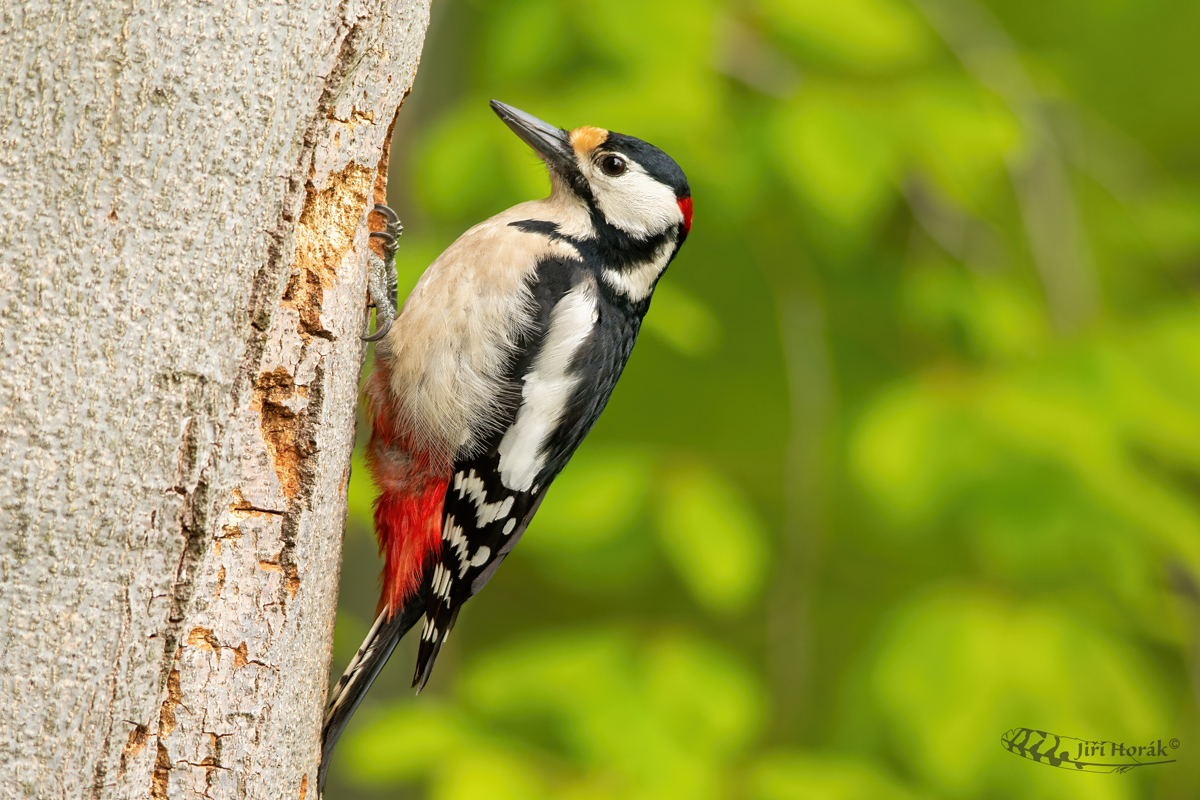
[[483, 517]]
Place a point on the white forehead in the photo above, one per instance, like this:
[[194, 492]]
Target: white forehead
[[634, 201]]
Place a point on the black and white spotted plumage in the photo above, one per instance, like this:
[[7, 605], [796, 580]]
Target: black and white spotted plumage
[[588, 309], [489, 503], [503, 358]]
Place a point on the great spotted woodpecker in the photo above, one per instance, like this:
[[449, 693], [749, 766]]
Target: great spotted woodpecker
[[497, 366]]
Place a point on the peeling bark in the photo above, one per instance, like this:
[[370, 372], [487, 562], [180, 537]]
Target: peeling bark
[[184, 194]]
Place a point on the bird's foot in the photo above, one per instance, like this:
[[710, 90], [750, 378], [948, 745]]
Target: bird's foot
[[381, 281]]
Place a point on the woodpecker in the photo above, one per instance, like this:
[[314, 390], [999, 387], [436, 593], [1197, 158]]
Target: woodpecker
[[495, 369]]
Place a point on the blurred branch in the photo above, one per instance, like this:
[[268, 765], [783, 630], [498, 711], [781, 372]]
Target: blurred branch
[[1049, 212], [790, 658], [745, 56]]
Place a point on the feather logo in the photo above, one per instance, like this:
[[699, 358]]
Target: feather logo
[[1085, 755]]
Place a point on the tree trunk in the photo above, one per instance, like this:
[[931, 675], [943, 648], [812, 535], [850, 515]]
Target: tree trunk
[[183, 196]]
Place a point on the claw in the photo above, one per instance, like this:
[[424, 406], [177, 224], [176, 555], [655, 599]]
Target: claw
[[387, 213], [382, 278], [382, 332]]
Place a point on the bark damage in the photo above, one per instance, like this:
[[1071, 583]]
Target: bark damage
[[185, 248], [253, 565], [254, 548]]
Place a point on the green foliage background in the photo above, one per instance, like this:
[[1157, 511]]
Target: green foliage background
[[908, 454]]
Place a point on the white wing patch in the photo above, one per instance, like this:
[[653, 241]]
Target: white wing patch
[[547, 388]]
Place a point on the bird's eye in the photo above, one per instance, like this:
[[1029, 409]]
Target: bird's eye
[[612, 165]]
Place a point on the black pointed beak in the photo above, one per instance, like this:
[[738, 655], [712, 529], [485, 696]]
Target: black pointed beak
[[551, 143]]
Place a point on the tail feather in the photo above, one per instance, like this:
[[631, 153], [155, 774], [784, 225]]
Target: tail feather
[[432, 640], [363, 669]]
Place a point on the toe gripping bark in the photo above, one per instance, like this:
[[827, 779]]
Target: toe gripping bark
[[382, 280]]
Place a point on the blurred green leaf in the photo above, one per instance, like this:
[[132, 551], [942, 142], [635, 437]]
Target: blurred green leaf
[[479, 773], [709, 701], [863, 34], [838, 155], [658, 721], [958, 667], [961, 136], [526, 39], [630, 33], [682, 321], [405, 743], [456, 169], [995, 318], [350, 629], [712, 538], [916, 446], [582, 683], [1170, 223], [594, 501], [821, 776]]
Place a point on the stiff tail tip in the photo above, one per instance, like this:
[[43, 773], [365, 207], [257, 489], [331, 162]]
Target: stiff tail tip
[[366, 665]]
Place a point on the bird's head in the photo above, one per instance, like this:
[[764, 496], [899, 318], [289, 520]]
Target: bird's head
[[630, 184]]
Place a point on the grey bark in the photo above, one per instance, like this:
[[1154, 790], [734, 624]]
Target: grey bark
[[183, 241]]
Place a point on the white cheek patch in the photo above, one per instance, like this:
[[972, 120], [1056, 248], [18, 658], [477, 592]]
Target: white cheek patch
[[547, 389], [635, 202]]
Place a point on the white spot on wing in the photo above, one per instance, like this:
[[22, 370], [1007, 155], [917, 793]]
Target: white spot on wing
[[452, 534], [481, 556], [547, 388], [441, 582], [508, 526], [485, 512]]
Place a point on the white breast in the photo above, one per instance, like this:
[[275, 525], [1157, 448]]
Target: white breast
[[458, 328]]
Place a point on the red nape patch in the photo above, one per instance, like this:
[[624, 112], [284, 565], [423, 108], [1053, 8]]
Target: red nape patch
[[685, 205], [409, 528]]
